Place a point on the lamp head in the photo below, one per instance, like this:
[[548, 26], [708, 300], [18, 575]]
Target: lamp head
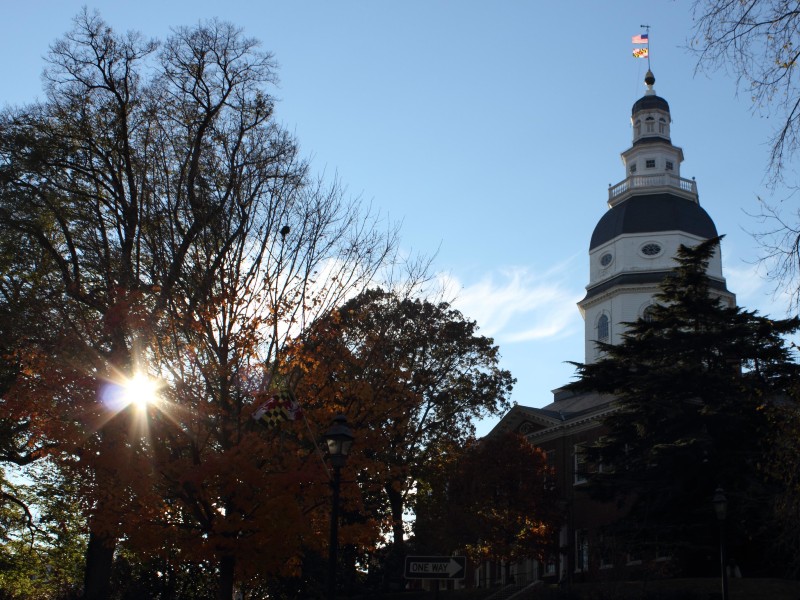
[[339, 439]]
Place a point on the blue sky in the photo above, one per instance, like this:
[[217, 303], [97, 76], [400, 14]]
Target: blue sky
[[490, 129]]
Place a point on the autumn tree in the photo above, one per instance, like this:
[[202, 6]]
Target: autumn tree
[[694, 384], [494, 504], [412, 376], [168, 224], [759, 42]]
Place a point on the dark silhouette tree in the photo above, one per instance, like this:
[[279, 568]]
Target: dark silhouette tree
[[694, 384]]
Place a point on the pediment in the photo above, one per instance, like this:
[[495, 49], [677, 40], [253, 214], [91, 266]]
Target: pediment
[[524, 420]]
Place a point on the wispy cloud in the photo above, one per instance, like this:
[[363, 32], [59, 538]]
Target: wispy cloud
[[517, 304], [754, 291]]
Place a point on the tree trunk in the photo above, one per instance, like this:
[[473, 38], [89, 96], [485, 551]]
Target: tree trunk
[[395, 559], [97, 573], [227, 567], [396, 505]]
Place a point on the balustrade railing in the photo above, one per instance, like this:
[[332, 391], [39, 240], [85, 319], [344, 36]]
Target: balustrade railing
[[655, 180]]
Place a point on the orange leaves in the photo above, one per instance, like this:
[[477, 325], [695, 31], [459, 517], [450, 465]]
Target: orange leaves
[[499, 495]]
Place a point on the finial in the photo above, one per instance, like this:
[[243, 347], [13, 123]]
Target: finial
[[649, 79]]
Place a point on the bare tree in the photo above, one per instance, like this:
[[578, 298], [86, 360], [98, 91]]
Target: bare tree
[[758, 42]]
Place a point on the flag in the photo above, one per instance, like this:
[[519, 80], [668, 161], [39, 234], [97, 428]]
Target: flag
[[640, 53], [642, 38], [281, 406]]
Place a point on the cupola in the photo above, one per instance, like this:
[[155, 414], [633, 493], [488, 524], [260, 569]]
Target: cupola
[[652, 163], [650, 115]]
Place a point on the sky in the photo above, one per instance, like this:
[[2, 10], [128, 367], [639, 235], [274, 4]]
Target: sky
[[490, 130]]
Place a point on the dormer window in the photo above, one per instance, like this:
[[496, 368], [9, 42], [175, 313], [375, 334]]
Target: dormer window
[[649, 124], [650, 163]]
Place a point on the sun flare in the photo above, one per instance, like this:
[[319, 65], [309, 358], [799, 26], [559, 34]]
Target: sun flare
[[140, 391]]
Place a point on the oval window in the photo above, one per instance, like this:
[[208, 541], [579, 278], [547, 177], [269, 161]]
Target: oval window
[[606, 259], [651, 249]]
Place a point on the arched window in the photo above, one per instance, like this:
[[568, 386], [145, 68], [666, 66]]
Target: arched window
[[647, 315], [662, 125], [602, 328], [650, 125], [637, 127]]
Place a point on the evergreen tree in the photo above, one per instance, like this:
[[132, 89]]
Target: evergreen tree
[[693, 383]]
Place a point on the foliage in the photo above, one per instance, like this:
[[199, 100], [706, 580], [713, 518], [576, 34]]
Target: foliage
[[41, 553], [411, 375], [155, 217], [693, 385], [496, 504], [759, 42]]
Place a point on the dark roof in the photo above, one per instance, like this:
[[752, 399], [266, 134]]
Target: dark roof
[[652, 213], [649, 103], [653, 138]]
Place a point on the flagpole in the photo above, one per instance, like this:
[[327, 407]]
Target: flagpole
[[647, 28]]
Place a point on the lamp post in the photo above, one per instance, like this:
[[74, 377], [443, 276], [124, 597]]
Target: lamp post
[[721, 508], [339, 438]]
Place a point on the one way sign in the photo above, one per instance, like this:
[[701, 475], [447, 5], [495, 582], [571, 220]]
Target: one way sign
[[435, 567]]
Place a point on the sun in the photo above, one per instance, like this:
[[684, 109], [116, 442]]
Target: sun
[[140, 391]]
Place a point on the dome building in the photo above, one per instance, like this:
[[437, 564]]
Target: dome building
[[651, 213]]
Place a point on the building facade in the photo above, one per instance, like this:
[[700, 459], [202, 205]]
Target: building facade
[[651, 212]]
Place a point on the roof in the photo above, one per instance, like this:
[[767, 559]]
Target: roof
[[652, 138], [651, 102], [653, 213], [568, 409]]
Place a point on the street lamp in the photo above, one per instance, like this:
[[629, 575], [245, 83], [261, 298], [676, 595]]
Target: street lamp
[[339, 438], [720, 503]]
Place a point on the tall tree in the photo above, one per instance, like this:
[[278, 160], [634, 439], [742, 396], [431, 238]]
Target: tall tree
[[170, 221], [692, 383], [759, 42], [411, 376]]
